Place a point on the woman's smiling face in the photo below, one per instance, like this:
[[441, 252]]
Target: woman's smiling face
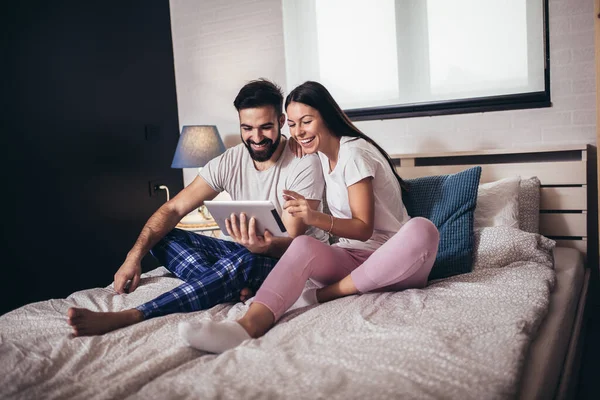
[[307, 126]]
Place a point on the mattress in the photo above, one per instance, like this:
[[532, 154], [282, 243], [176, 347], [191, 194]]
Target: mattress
[[548, 351], [463, 337]]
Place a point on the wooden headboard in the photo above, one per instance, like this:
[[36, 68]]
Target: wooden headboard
[[568, 198]]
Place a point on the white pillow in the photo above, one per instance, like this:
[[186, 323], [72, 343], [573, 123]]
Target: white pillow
[[498, 203]]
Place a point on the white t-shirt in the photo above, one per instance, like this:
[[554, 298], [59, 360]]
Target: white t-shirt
[[358, 159], [235, 173]]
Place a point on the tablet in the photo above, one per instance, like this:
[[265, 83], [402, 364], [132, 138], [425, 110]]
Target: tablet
[[264, 212]]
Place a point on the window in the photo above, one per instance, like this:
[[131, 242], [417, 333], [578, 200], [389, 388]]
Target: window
[[406, 58]]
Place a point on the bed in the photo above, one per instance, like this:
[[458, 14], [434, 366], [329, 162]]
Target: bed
[[511, 328]]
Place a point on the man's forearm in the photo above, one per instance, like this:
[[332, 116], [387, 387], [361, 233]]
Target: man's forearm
[[158, 225], [278, 246]]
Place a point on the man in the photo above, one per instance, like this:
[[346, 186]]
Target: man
[[214, 270]]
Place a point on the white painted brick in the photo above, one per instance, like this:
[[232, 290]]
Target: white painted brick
[[560, 26], [516, 137], [569, 134], [583, 22], [210, 90], [384, 130], [406, 145], [572, 41], [484, 121], [541, 117], [584, 85], [560, 57], [579, 102], [452, 142], [584, 117], [441, 124], [583, 55], [580, 70], [570, 7], [561, 88]]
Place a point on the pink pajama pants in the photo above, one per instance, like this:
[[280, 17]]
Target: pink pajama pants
[[403, 262]]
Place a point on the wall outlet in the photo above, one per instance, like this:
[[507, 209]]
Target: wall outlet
[[153, 186]]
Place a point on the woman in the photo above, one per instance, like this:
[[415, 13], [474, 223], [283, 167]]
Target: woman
[[380, 248]]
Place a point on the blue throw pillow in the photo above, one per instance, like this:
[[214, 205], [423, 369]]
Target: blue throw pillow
[[449, 202]]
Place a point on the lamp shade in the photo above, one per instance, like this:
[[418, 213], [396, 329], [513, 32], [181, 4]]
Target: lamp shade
[[198, 144]]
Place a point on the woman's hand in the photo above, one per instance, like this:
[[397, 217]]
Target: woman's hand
[[295, 147], [297, 206], [244, 233]]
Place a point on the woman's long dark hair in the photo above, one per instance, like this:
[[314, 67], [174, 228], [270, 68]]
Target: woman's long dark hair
[[318, 97]]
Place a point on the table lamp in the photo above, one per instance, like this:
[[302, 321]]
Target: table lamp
[[198, 144]]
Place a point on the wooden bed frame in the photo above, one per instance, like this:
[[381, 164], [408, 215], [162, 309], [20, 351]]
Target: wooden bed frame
[[568, 210]]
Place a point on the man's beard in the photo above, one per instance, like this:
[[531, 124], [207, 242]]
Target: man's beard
[[267, 152]]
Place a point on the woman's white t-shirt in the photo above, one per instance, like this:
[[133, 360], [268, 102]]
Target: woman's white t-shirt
[[359, 159]]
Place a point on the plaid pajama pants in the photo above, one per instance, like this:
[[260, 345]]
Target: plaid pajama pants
[[213, 270]]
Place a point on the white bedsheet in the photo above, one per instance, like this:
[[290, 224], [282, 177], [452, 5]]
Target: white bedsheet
[[465, 337]]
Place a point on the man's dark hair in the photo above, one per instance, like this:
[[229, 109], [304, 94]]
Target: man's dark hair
[[260, 93]]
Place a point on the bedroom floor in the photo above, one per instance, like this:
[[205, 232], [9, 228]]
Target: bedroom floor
[[589, 384]]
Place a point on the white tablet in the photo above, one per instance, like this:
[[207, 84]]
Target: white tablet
[[264, 212]]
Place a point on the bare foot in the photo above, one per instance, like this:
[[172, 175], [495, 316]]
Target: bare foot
[[258, 320], [245, 294], [88, 323]]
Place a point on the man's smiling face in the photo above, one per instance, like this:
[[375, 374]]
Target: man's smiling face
[[261, 131]]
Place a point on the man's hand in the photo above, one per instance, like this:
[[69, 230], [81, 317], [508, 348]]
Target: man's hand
[[129, 271], [244, 233]]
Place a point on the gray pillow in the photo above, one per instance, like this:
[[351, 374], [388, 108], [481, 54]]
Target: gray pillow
[[529, 205]]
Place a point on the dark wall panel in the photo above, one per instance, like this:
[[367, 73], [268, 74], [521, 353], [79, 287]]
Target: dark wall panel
[[89, 117]]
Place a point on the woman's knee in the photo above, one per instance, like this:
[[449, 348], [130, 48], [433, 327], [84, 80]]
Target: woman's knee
[[299, 259], [304, 243], [424, 231]]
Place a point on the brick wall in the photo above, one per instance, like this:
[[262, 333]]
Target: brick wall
[[218, 46], [221, 44]]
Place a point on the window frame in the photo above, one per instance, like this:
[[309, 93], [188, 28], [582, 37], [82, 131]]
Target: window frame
[[515, 101]]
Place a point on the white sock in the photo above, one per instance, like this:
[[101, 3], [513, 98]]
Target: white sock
[[211, 336], [307, 298]]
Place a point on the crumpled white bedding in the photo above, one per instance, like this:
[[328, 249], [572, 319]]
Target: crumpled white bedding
[[464, 337]]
